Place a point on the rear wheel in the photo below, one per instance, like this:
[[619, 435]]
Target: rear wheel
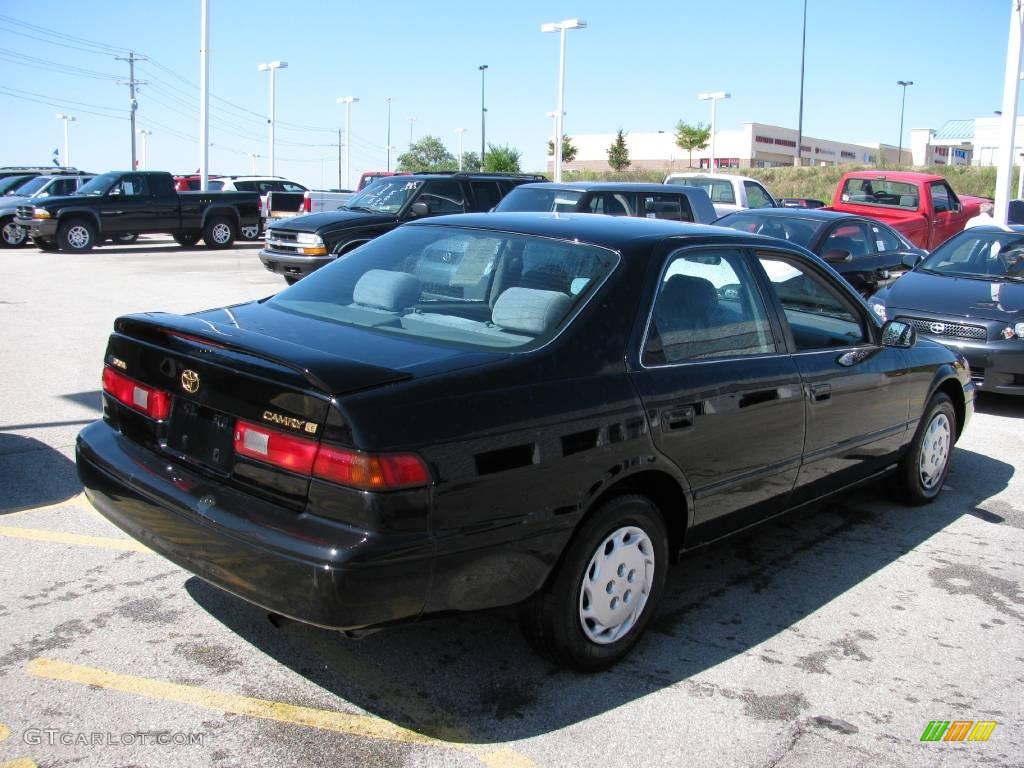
[[11, 235], [250, 232], [219, 233], [922, 471], [186, 239], [78, 236], [605, 591], [124, 238]]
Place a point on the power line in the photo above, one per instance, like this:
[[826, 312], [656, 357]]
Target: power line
[[54, 66], [16, 93], [103, 47]]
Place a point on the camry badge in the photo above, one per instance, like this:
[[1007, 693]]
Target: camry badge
[[937, 328], [190, 381]]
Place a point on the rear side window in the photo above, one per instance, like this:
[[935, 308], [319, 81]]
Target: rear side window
[[852, 238], [707, 306], [542, 199], [661, 206], [757, 197], [612, 204], [246, 186], [486, 194]]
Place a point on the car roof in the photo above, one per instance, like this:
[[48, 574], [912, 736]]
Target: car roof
[[717, 176], [611, 186], [616, 232], [909, 176], [796, 213]]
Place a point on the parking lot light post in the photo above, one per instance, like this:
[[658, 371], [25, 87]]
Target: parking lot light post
[[272, 67], [713, 98], [561, 27], [387, 143], [348, 101], [67, 146], [483, 117], [903, 106], [144, 133], [460, 131], [252, 163]]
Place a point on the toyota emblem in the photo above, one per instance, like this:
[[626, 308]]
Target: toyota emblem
[[937, 328], [190, 381]]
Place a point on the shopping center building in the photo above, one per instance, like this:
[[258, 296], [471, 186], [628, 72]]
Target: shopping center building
[[755, 145]]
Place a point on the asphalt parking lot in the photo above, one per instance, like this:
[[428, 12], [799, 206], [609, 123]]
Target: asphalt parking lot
[[830, 637]]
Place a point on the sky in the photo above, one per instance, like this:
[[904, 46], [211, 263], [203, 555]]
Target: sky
[[635, 67]]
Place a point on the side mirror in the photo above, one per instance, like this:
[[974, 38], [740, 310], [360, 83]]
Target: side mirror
[[899, 335], [419, 209], [837, 254], [911, 259]]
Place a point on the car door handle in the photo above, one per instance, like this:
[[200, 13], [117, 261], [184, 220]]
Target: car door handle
[[821, 392], [678, 418], [113, 213]]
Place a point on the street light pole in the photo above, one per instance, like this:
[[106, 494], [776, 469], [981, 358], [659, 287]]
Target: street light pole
[[798, 160], [144, 133], [67, 144], [713, 98], [347, 101], [561, 27], [460, 131], [388, 144], [483, 117], [204, 96], [272, 67], [903, 106]]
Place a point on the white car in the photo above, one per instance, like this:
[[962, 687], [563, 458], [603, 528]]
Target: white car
[[728, 193], [262, 184]]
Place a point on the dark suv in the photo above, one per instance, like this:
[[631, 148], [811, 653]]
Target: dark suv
[[296, 247]]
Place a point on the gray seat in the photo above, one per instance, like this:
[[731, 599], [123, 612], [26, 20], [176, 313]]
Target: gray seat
[[386, 290], [527, 310], [908, 201]]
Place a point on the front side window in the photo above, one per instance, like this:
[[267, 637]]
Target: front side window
[[132, 186], [940, 197], [99, 185], [707, 306], [468, 288], [32, 187], [852, 239], [819, 314], [757, 196], [525, 199]]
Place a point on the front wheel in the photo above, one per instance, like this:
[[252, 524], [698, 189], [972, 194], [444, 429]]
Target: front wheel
[[219, 233], [603, 594], [12, 235], [77, 236], [922, 471]]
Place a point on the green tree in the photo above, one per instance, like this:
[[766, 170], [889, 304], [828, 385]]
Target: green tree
[[503, 159], [470, 161], [618, 152], [691, 137], [427, 154], [569, 149]]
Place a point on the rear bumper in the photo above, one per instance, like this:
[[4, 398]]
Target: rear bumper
[[293, 265], [299, 565]]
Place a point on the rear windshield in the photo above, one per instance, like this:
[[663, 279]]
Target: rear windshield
[[796, 229], [891, 194], [523, 199], [462, 287]]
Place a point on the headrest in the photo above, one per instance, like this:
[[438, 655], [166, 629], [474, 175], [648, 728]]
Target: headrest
[[528, 310], [384, 289]]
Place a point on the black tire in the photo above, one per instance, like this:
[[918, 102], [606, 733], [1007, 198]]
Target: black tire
[[923, 469], [44, 244], [124, 238], [11, 235], [77, 236], [186, 239], [219, 233], [553, 619], [291, 279]]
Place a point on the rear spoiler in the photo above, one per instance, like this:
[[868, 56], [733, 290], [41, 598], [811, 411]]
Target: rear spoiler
[[330, 374]]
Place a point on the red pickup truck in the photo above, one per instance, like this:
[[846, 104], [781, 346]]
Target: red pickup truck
[[921, 206]]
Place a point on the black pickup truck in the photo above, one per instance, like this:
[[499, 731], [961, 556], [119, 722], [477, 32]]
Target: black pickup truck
[[296, 247], [123, 203]]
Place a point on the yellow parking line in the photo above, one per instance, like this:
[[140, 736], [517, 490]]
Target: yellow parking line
[[78, 501], [59, 537], [340, 722], [21, 762]]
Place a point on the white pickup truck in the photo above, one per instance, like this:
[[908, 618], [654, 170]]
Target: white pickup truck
[[284, 205], [728, 193]]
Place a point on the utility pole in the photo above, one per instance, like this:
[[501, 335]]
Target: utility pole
[[132, 83]]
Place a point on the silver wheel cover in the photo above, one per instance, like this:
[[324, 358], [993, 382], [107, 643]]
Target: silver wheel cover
[[935, 447], [616, 585], [13, 234], [78, 236], [250, 233], [221, 233]]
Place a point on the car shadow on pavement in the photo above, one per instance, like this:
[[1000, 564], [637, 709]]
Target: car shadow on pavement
[[171, 246], [1000, 405], [34, 474], [472, 678]]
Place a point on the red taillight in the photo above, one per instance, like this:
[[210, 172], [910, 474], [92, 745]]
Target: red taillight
[[292, 453], [307, 203], [368, 472], [153, 402], [385, 472]]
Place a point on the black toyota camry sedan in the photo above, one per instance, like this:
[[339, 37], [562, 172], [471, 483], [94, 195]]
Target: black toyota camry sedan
[[869, 254], [969, 295], [497, 409]]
